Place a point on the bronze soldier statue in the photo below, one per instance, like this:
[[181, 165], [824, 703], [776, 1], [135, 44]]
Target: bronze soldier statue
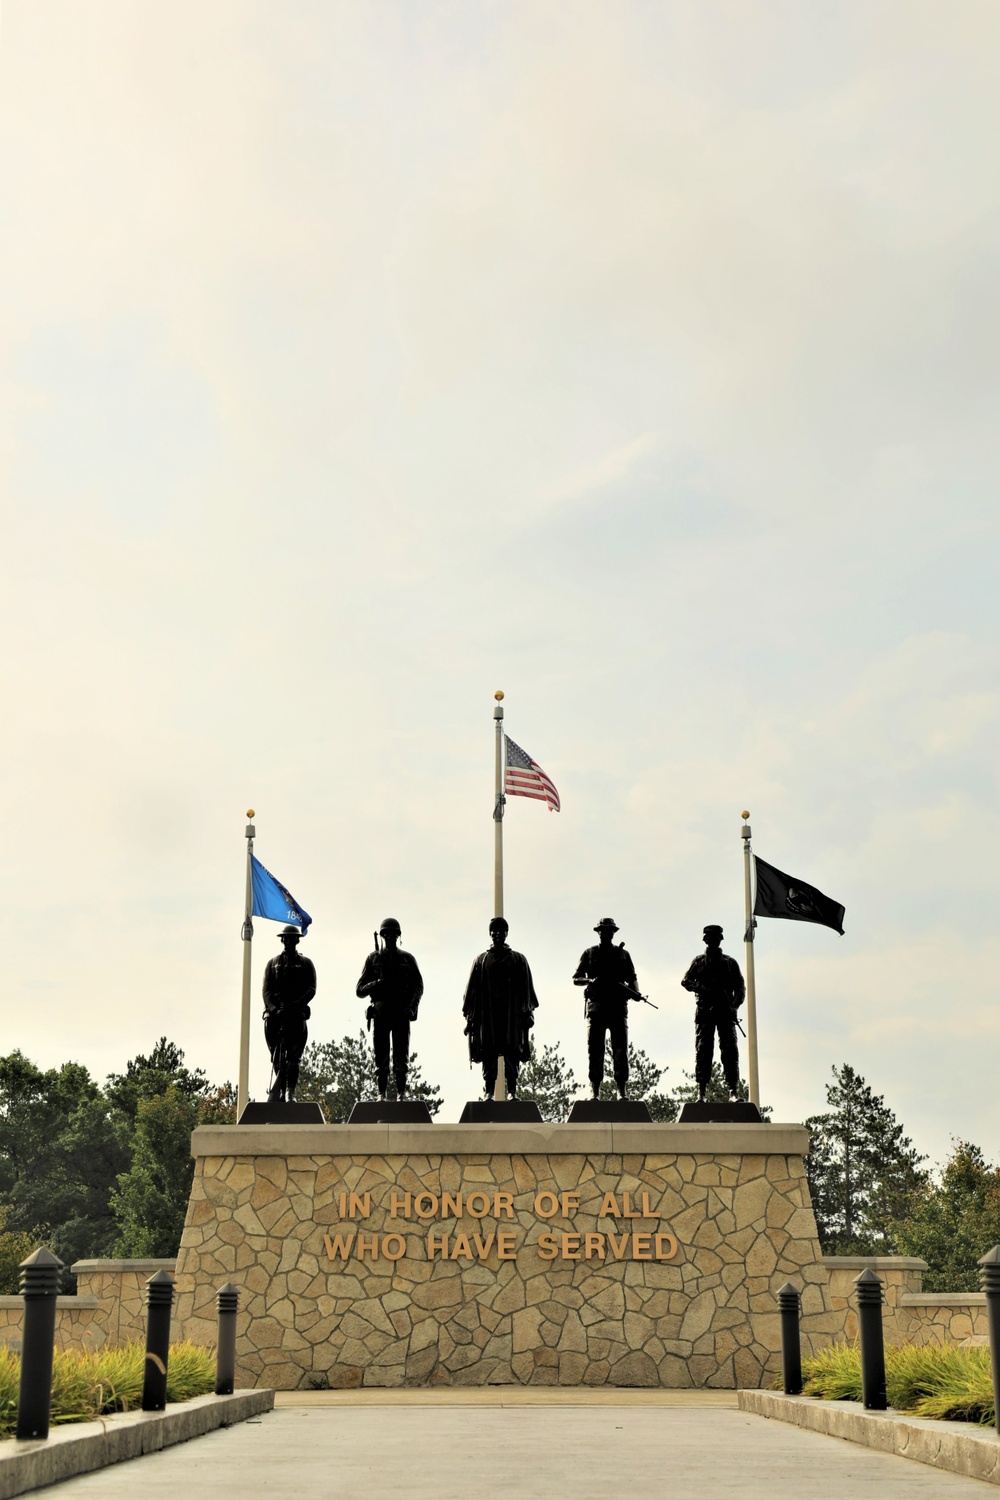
[[609, 976], [289, 986], [498, 1007], [392, 979], [716, 980]]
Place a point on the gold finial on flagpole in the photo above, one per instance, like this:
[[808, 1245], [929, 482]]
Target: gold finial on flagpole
[[250, 812], [498, 694], [745, 814]]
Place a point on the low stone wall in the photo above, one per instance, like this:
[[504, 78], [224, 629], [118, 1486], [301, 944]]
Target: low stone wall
[[900, 1276], [80, 1322], [109, 1307], [944, 1318]]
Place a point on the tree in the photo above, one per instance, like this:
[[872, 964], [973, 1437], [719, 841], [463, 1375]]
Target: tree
[[954, 1221], [549, 1081], [149, 1077], [863, 1171], [60, 1155], [151, 1198], [338, 1075], [15, 1245]]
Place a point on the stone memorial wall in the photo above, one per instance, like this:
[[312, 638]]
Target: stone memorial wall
[[640, 1255]]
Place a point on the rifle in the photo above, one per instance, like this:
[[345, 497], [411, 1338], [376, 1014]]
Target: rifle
[[370, 1012], [633, 994]]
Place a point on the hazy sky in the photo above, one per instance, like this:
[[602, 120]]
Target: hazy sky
[[640, 359]]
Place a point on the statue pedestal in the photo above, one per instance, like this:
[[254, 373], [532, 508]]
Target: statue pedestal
[[391, 1112], [598, 1111], [263, 1112], [741, 1113], [500, 1112]]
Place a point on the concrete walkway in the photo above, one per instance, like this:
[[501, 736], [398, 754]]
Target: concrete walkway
[[325, 1448]]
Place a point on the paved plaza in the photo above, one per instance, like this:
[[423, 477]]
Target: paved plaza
[[531, 1445]]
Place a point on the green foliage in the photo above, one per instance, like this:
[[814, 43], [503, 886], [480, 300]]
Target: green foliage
[[549, 1081], [338, 1075], [943, 1381], [151, 1198], [864, 1174], [86, 1386], [954, 1221], [15, 1245]]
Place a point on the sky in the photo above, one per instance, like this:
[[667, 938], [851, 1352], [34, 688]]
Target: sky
[[641, 360]]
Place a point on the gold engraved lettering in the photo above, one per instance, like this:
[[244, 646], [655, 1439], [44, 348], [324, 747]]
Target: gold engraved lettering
[[483, 1247], [367, 1244], [593, 1246], [422, 1199], [666, 1246], [484, 1200], [571, 1247], [647, 1212], [437, 1244], [618, 1244], [461, 1249], [570, 1204], [343, 1205], [503, 1203], [506, 1245], [546, 1205], [548, 1247], [641, 1248], [339, 1247], [609, 1205], [393, 1246], [451, 1205], [399, 1208], [359, 1206]]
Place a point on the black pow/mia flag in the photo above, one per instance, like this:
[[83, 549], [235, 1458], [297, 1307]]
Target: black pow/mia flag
[[780, 895]]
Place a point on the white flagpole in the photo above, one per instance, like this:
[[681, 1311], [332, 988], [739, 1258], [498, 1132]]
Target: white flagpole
[[243, 1087], [753, 1080], [500, 1088]]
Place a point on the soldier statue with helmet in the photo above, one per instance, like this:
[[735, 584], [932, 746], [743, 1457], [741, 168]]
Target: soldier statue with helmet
[[289, 986], [392, 982], [608, 973], [716, 980]]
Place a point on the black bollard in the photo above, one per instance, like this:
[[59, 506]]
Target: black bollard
[[872, 1347], [789, 1305], [159, 1300], [39, 1288], [989, 1278], [228, 1301]]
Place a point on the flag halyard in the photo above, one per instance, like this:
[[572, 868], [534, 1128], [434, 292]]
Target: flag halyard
[[524, 777]]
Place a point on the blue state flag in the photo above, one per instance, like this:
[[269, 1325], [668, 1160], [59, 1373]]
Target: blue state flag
[[273, 900]]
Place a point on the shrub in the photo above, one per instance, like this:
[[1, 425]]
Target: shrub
[[85, 1386], [928, 1380]]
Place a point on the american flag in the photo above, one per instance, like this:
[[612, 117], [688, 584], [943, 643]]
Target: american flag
[[524, 777]]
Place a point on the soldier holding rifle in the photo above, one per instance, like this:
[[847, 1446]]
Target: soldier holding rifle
[[608, 973], [716, 980], [392, 980]]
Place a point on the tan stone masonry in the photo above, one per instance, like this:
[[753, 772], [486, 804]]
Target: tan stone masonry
[[560, 1260]]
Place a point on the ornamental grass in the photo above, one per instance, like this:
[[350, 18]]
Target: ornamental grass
[[944, 1381], [85, 1386]]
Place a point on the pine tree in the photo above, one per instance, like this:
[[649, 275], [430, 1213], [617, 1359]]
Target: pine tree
[[863, 1171], [549, 1081], [643, 1077]]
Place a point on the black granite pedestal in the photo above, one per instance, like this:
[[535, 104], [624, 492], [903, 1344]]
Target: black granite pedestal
[[501, 1112], [266, 1113], [742, 1113], [391, 1112], [610, 1112]]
